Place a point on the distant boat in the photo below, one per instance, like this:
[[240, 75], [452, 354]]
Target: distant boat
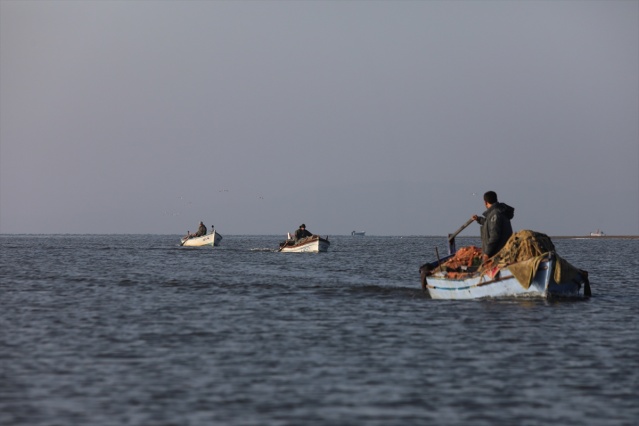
[[313, 244], [599, 233], [213, 239], [358, 233]]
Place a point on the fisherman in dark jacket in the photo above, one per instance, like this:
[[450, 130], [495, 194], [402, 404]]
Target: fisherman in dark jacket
[[302, 233], [495, 225], [201, 230]]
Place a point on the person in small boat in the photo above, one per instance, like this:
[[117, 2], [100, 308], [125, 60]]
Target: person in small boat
[[302, 233], [201, 230], [495, 224]]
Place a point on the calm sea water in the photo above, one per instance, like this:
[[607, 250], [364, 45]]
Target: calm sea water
[[135, 330]]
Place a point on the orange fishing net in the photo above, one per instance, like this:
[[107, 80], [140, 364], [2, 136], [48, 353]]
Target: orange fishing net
[[464, 260], [465, 256]]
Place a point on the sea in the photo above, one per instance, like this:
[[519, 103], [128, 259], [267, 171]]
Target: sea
[[136, 330]]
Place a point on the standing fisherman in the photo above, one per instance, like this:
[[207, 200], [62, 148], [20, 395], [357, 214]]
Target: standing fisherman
[[495, 224]]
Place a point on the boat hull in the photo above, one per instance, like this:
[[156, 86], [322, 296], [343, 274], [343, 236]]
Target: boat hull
[[313, 244], [504, 284], [212, 239]]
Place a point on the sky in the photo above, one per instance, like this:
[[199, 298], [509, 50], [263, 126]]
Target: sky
[[390, 117]]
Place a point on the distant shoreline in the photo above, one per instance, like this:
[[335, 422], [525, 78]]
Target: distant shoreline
[[604, 237], [555, 237]]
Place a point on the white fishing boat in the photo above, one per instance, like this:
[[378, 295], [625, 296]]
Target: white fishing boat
[[358, 233], [527, 266], [313, 244], [599, 233], [212, 239]]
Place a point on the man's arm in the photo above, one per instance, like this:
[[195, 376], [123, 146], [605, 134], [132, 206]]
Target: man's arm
[[479, 219]]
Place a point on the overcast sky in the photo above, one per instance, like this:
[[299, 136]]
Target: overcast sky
[[390, 117]]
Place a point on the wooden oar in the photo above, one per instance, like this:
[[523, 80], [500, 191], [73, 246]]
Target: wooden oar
[[464, 226], [451, 237], [285, 243], [188, 237]]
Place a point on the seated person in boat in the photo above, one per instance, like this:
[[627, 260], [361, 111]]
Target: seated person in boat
[[201, 231], [302, 233]]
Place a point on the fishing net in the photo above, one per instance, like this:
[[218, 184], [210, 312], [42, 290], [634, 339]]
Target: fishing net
[[522, 254], [466, 260], [524, 245]]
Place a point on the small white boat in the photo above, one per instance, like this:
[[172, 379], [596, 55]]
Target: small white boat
[[358, 233], [599, 233], [526, 266], [212, 239], [314, 244]]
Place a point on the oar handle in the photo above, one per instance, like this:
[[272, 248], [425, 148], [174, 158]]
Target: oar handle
[[453, 235]]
